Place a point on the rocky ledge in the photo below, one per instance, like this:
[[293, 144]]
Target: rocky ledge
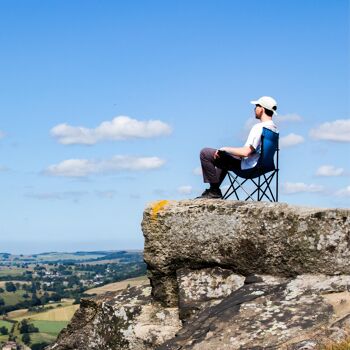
[[245, 237], [228, 275]]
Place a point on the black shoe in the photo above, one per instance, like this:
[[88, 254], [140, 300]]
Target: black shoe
[[204, 194], [211, 194]]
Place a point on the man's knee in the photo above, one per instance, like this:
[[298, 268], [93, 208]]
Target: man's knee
[[207, 153]]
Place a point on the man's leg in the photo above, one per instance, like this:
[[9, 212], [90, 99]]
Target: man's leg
[[211, 174]]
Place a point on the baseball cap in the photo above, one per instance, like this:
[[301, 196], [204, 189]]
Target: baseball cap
[[266, 102]]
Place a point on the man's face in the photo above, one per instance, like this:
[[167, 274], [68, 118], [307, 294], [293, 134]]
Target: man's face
[[258, 111]]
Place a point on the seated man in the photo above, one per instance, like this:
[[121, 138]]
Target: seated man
[[215, 163]]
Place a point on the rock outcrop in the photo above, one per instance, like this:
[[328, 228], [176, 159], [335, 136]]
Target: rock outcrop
[[228, 275], [245, 237], [127, 319]]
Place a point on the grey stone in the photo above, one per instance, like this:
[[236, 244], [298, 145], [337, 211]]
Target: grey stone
[[124, 320], [245, 237], [260, 316], [199, 289]]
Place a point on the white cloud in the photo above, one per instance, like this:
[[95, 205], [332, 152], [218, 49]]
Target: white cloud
[[119, 128], [344, 192], [329, 170], [338, 130], [184, 189], [197, 171], [74, 195], [298, 187], [3, 168], [85, 167], [292, 117], [291, 140]]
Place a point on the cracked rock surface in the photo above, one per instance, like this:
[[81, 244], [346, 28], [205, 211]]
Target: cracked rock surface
[[245, 237], [122, 320]]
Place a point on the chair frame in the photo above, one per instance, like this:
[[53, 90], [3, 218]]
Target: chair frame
[[261, 182]]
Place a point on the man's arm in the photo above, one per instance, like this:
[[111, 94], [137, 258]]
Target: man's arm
[[240, 152]]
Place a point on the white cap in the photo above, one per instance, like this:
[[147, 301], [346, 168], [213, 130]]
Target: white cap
[[266, 102]]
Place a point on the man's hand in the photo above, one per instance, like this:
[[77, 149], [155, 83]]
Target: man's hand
[[216, 154]]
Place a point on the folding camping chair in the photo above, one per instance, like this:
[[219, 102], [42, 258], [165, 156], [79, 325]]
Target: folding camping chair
[[261, 175]]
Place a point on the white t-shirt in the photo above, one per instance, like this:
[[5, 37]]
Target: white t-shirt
[[254, 139]]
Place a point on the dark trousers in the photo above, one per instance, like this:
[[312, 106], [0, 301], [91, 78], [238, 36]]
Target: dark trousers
[[215, 170]]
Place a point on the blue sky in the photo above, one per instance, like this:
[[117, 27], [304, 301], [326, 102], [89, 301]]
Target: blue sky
[[105, 106]]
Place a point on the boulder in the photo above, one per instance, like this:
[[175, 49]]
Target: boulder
[[124, 320], [199, 289], [271, 314], [244, 237]]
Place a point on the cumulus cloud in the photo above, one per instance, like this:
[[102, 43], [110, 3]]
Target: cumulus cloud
[[184, 189], [329, 170], [344, 192], [300, 187], [119, 128], [85, 167], [291, 140], [3, 168], [74, 195], [338, 130]]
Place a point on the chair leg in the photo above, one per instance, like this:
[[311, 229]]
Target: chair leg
[[263, 188], [231, 187], [267, 183]]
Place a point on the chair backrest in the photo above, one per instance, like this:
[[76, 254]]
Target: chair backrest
[[269, 146]]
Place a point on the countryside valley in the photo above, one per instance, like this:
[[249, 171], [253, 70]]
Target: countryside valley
[[40, 293]]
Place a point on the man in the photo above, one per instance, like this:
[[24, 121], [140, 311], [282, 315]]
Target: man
[[216, 162]]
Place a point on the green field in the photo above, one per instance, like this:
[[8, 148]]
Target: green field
[[66, 256], [50, 327], [11, 272], [12, 298], [7, 324], [41, 338], [36, 338], [4, 338]]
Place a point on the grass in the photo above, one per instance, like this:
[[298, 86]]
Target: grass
[[66, 256], [36, 338], [64, 313], [4, 338], [2, 283], [20, 314], [12, 298], [6, 324], [17, 313], [112, 287], [11, 272], [50, 327]]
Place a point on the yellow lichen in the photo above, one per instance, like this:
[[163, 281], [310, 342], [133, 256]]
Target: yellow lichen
[[157, 207]]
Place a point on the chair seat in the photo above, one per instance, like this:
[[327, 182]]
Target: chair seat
[[253, 172]]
